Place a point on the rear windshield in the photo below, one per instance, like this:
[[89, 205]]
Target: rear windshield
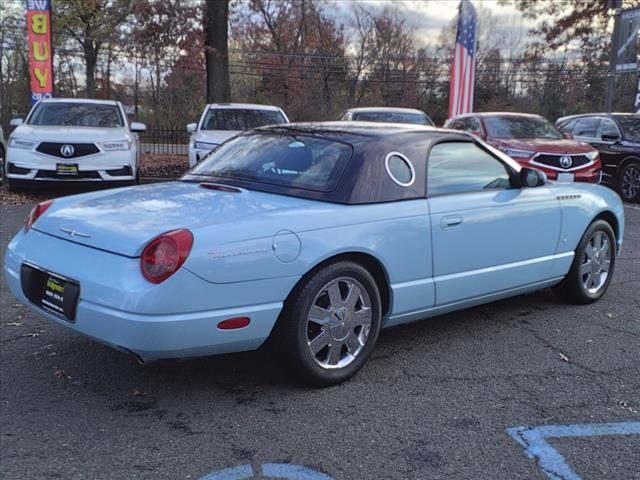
[[77, 115], [520, 127], [240, 119], [393, 117], [631, 127], [295, 161]]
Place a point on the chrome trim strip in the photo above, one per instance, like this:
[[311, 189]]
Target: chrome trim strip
[[407, 161], [504, 266]]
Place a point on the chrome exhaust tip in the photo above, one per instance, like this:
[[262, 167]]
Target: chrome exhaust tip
[[138, 358]]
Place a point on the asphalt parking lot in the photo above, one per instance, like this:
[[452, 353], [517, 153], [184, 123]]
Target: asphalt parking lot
[[460, 396]]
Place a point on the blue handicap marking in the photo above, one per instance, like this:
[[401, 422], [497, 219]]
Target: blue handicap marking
[[552, 463], [269, 470]]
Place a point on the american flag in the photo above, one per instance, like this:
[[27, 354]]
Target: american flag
[[464, 62]]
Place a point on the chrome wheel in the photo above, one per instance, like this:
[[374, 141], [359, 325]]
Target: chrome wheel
[[630, 182], [339, 323], [596, 262]]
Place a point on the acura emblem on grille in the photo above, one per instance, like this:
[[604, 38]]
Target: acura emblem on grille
[[67, 150], [74, 233], [566, 162]]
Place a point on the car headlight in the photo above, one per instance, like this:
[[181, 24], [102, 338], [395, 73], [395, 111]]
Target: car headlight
[[513, 153], [593, 155], [116, 145], [204, 145], [22, 143]]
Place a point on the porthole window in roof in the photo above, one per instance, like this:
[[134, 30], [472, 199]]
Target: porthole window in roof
[[400, 169]]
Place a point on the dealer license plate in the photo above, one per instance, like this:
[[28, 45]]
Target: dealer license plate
[[67, 169], [51, 292]]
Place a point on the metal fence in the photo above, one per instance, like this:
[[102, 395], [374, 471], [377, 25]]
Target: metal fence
[[164, 141]]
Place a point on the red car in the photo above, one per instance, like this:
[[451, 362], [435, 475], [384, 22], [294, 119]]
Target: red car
[[535, 143]]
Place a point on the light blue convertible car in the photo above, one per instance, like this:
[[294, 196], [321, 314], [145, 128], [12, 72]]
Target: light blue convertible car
[[315, 236]]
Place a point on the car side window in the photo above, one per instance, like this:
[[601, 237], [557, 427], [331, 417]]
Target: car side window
[[586, 127], [463, 124], [452, 124], [456, 167], [607, 127], [474, 125]]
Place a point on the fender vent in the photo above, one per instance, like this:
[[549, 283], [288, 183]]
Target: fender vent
[[568, 197]]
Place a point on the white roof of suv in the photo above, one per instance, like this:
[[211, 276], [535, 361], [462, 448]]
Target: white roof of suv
[[248, 106], [78, 100]]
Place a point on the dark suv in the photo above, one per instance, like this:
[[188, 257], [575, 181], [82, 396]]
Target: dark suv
[[617, 137]]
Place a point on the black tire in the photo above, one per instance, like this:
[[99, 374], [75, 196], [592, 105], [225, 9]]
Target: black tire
[[629, 182], [572, 288], [294, 329]]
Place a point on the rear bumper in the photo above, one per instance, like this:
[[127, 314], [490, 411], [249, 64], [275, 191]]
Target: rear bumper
[[119, 309]]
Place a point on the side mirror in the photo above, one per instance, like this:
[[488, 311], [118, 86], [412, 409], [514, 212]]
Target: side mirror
[[192, 127], [531, 178], [567, 135], [138, 127], [15, 122], [610, 138]]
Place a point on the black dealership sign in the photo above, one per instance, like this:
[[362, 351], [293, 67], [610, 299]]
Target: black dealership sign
[[626, 45]]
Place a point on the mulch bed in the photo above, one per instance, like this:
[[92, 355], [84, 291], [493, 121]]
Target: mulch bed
[[151, 166], [163, 166]]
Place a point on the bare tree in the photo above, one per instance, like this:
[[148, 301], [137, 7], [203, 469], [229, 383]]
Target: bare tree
[[216, 34]]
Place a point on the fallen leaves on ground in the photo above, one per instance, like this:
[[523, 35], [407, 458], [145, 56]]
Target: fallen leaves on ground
[[61, 374], [18, 198], [564, 357]]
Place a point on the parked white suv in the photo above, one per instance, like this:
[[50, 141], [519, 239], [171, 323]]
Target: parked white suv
[[387, 114], [73, 140], [221, 121]]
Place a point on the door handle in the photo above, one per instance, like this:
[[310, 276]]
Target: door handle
[[451, 223]]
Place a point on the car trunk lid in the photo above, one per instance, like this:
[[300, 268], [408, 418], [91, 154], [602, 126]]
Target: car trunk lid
[[124, 220]]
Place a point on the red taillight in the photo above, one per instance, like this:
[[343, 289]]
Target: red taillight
[[165, 254], [35, 213]]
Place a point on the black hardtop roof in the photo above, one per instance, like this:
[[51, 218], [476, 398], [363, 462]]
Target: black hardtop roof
[[362, 129]]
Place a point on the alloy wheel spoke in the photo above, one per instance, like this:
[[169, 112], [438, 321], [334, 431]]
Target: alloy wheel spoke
[[605, 264], [587, 281], [335, 297], [597, 241], [335, 350], [321, 341], [353, 343], [362, 317], [319, 315], [590, 250], [585, 268], [352, 296]]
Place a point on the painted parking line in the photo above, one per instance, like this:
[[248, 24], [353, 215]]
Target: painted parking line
[[632, 207], [269, 470], [552, 463]]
